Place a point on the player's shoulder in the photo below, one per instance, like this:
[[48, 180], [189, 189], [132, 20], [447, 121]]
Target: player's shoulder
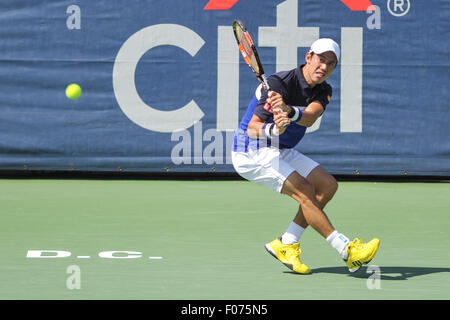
[[281, 80], [283, 76]]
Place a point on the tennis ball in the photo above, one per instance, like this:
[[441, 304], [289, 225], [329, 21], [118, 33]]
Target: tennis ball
[[73, 91]]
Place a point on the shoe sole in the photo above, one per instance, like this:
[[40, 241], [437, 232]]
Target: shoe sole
[[370, 259]]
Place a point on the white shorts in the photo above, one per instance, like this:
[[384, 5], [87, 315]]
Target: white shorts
[[271, 166]]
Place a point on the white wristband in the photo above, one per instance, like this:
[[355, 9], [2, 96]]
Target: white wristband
[[267, 130], [271, 131], [296, 115], [275, 131]]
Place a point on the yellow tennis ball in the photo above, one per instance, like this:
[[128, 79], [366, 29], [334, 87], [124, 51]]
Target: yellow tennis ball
[[73, 91]]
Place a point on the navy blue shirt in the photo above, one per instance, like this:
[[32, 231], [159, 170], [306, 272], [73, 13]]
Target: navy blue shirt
[[295, 92]]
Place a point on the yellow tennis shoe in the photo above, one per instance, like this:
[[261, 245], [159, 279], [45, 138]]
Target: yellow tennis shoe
[[288, 254], [360, 253]]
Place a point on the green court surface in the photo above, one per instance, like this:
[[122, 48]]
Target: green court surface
[[205, 240]]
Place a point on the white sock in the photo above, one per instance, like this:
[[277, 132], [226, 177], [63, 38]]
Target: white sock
[[339, 242], [292, 234]]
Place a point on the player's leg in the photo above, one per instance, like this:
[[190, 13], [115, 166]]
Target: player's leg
[[355, 253], [325, 186], [303, 191], [265, 167], [310, 175], [310, 185], [300, 189]]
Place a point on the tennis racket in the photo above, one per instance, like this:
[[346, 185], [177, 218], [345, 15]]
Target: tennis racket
[[249, 52]]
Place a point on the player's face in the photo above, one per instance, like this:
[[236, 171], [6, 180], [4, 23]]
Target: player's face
[[320, 66]]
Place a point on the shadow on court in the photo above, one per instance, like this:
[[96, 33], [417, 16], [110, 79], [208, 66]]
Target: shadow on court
[[387, 273]]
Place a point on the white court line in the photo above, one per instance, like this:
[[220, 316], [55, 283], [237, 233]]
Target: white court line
[[83, 257], [155, 258]]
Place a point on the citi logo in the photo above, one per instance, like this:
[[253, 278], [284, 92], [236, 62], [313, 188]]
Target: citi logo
[[286, 37]]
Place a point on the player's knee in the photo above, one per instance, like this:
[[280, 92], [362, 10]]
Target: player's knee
[[332, 187], [327, 191]]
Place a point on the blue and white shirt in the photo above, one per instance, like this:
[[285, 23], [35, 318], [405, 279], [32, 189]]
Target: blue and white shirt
[[295, 92]]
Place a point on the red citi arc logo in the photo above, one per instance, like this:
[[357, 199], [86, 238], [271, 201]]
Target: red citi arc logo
[[220, 4], [354, 5]]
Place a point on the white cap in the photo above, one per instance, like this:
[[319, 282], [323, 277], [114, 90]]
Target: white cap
[[326, 44]]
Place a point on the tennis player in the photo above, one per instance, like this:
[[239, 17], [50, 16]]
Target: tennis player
[[263, 152]]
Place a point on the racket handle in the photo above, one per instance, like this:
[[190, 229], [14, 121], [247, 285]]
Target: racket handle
[[266, 86]]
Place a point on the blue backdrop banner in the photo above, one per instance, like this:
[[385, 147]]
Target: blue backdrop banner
[[164, 86]]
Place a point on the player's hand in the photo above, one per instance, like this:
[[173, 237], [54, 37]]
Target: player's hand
[[280, 110], [276, 101], [281, 119]]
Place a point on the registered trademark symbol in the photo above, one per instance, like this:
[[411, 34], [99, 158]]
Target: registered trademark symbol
[[398, 8]]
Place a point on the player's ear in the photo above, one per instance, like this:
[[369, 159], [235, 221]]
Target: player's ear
[[308, 56]]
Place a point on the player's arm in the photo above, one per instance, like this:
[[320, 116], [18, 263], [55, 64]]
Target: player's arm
[[311, 113], [314, 110], [259, 127], [255, 126], [306, 118]]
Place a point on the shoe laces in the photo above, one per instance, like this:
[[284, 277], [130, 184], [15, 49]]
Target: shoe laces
[[356, 243], [295, 251]]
